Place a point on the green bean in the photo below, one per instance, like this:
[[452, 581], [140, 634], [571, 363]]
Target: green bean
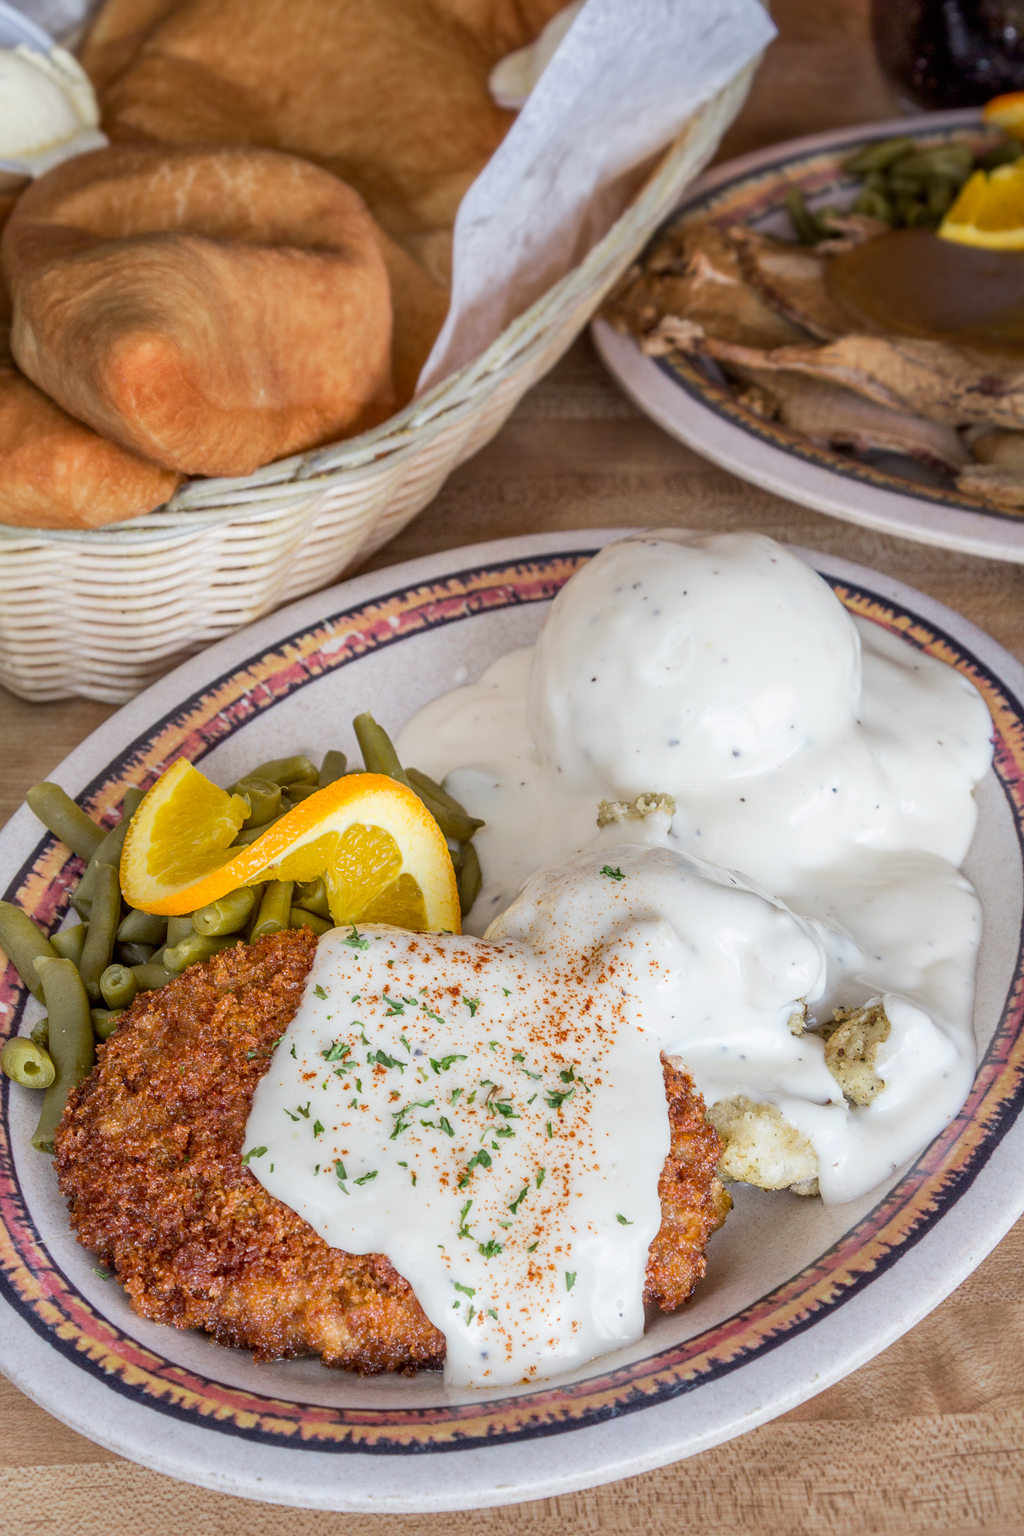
[[196, 948], [906, 186], [69, 942], [1004, 154], [112, 846], [275, 908], [23, 943], [108, 852], [72, 1045], [295, 793], [941, 193], [66, 820], [332, 768], [876, 157], [299, 917], [228, 915], [105, 1022], [456, 856], [179, 928], [137, 954], [250, 834], [40, 1032], [263, 797], [379, 755], [118, 986], [920, 216], [470, 879], [954, 160], [876, 205], [99, 941], [151, 977], [808, 230], [284, 770], [312, 896], [451, 817], [26, 1063], [142, 928]]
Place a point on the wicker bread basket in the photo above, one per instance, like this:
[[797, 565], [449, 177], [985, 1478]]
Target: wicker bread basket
[[102, 613]]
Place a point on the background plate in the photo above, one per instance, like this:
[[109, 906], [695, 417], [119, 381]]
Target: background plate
[[796, 1295], [707, 416]]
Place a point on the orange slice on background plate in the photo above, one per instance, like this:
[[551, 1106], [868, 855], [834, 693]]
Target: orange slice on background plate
[[989, 211], [1006, 112], [381, 854]]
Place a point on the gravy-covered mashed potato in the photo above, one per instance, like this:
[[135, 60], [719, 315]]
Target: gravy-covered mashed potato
[[723, 823], [825, 762]]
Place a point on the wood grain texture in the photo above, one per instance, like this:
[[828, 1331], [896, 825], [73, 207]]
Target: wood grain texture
[[928, 1437]]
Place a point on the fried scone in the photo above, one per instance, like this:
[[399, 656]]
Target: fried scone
[[391, 95], [209, 309], [149, 1156], [54, 471]]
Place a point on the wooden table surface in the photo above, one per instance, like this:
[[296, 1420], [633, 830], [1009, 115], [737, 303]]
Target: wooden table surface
[[928, 1436]]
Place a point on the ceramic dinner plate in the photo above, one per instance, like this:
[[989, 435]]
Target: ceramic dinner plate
[[796, 1295], [691, 398]]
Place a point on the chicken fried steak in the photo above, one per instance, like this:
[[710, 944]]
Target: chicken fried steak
[[149, 1158]]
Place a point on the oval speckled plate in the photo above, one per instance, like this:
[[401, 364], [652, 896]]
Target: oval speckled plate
[[691, 399], [796, 1295]]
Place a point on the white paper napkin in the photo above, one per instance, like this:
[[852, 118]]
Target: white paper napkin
[[618, 90]]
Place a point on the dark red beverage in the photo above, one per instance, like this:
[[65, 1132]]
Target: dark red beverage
[[950, 53]]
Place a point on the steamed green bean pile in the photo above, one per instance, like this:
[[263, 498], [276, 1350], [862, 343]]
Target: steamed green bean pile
[[903, 185], [89, 973]]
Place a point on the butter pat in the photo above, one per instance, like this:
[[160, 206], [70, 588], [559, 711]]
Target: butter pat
[[514, 77], [48, 108]]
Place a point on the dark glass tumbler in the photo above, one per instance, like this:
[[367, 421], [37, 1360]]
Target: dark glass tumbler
[[950, 53]]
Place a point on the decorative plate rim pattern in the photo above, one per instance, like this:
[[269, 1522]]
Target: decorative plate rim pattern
[[33, 1283]]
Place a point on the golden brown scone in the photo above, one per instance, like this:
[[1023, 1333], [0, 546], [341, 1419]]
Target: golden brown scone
[[116, 35], [390, 95], [211, 309], [55, 472], [419, 304]]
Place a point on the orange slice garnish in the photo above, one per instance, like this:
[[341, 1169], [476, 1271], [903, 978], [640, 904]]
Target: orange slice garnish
[[989, 212], [1006, 112], [381, 854]]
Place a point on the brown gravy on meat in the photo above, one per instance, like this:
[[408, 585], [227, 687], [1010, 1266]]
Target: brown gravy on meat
[[914, 284]]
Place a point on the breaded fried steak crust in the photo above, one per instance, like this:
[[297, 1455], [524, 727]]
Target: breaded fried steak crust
[[149, 1156]]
